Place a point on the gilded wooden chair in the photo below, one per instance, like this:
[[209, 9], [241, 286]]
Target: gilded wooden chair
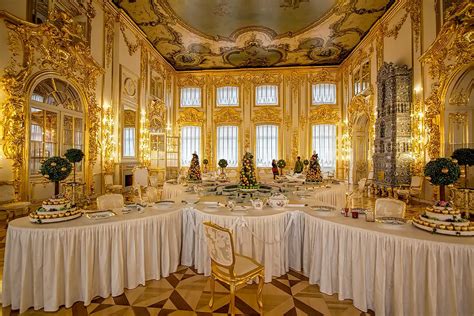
[[229, 267], [110, 201], [413, 190]]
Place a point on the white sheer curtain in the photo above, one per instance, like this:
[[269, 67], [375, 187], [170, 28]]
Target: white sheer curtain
[[190, 97], [324, 93], [227, 96], [324, 143], [190, 143], [266, 95], [227, 144], [267, 145]]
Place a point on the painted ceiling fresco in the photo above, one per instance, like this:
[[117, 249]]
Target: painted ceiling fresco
[[219, 34]]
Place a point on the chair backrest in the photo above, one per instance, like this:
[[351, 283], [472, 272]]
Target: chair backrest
[[108, 179], [110, 201], [152, 194], [362, 183], [389, 207], [153, 181], [7, 193], [140, 177], [220, 245], [416, 182], [41, 191]]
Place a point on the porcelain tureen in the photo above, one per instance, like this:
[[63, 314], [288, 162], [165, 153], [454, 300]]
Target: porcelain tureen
[[278, 201]]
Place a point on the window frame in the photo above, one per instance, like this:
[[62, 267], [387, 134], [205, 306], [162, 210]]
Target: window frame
[[267, 104], [61, 112], [237, 145], [324, 169], [201, 97], [181, 142], [277, 143], [313, 84], [358, 70], [227, 105]]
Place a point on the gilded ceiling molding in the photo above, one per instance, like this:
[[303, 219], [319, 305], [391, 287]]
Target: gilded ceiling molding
[[227, 116], [266, 115], [132, 47], [190, 116], [55, 46], [325, 114], [393, 32], [451, 51]]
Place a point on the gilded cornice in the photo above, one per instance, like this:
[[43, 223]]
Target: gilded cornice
[[190, 116], [266, 115], [325, 114], [227, 116]]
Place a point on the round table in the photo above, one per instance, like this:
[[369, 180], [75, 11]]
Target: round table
[[261, 234], [50, 265], [393, 270]]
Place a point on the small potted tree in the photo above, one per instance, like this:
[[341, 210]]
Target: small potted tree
[[464, 157], [305, 163], [281, 164], [74, 156], [205, 162], [442, 172], [222, 164], [56, 169]]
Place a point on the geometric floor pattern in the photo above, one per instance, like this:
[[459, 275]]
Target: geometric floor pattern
[[186, 292]]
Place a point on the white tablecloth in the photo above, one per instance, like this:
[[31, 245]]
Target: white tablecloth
[[262, 235], [50, 265], [335, 195], [391, 270], [173, 192]]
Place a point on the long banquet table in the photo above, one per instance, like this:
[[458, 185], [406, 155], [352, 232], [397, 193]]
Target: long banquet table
[[393, 270], [269, 236], [56, 264]]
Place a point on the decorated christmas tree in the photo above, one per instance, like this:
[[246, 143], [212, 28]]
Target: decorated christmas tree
[[247, 173], [194, 171], [314, 170]]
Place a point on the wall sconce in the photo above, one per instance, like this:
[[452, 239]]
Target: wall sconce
[[108, 139]]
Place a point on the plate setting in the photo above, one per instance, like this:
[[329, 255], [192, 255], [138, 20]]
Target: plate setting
[[391, 220], [100, 214]]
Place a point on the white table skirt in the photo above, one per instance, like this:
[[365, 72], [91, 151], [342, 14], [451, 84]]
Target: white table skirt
[[262, 235], [50, 265], [393, 271], [172, 192], [333, 196]]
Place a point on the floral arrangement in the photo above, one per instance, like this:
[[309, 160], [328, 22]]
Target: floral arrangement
[[445, 204], [222, 163]]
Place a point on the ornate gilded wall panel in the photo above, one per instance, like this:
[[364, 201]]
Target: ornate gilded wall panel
[[325, 114], [451, 51], [266, 115], [55, 46], [190, 117], [228, 116]]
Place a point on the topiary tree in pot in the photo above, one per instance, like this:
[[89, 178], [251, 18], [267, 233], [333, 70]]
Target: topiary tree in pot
[[281, 164], [56, 169], [442, 172], [464, 157], [74, 156]]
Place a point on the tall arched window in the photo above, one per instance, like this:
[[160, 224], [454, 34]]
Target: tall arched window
[[56, 121]]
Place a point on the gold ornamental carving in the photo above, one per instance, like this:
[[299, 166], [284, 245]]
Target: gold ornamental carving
[[324, 114], [157, 115], [322, 76], [132, 47], [190, 117], [458, 117], [54, 47], [227, 116], [190, 80], [451, 51], [264, 78], [109, 26], [266, 115]]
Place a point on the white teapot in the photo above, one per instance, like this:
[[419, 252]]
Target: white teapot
[[278, 201], [257, 203]]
